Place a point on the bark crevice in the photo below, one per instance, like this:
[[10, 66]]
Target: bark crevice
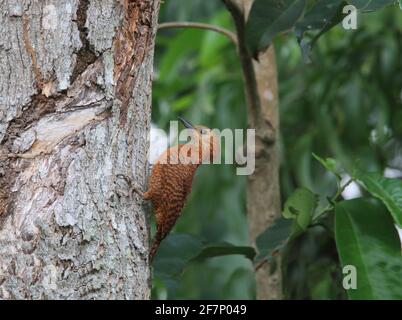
[[86, 55]]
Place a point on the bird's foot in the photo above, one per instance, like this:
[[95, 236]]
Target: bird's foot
[[129, 189]]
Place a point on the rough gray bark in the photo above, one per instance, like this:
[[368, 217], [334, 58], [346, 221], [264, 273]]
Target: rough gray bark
[[75, 83]]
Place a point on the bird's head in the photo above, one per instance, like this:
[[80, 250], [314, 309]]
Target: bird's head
[[204, 138]]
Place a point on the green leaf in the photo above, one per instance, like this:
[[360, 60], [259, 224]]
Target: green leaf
[[370, 5], [224, 249], [389, 191], [180, 249], [322, 16], [318, 17], [300, 206], [400, 4], [330, 164], [367, 239], [273, 239], [268, 18], [174, 253]]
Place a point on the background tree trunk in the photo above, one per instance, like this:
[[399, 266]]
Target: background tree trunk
[[75, 82], [263, 192]]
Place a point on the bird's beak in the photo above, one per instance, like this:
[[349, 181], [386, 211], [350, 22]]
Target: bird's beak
[[186, 123]]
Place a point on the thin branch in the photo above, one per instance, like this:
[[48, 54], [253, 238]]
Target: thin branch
[[266, 260], [260, 265], [343, 188], [338, 193], [253, 98], [199, 25]]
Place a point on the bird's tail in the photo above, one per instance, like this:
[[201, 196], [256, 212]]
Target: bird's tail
[[155, 245]]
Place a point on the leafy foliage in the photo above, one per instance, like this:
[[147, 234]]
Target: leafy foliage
[[270, 17], [273, 239], [329, 164], [323, 15], [389, 191], [367, 240], [370, 5], [333, 107], [223, 249], [179, 249], [346, 105], [319, 16], [300, 206]]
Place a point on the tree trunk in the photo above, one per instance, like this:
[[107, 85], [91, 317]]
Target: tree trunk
[[263, 192], [75, 83]]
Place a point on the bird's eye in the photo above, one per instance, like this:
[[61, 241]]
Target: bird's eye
[[203, 131]]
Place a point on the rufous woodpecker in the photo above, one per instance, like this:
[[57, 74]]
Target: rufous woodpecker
[[172, 176]]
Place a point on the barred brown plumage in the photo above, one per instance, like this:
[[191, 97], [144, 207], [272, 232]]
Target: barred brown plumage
[[172, 176]]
